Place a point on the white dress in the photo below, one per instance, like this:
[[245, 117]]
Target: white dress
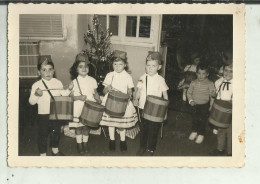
[[121, 82], [87, 85]]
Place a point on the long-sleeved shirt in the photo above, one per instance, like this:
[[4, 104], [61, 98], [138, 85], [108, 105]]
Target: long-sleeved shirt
[[200, 91], [44, 100]]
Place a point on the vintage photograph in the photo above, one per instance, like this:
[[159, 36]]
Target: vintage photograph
[[126, 85]]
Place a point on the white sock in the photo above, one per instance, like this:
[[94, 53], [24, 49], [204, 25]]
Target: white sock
[[85, 138], [122, 134], [43, 154], [79, 138], [111, 131], [55, 150]]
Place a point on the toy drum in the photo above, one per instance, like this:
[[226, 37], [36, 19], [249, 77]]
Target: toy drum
[[92, 114], [221, 114], [116, 104], [155, 108], [61, 108]]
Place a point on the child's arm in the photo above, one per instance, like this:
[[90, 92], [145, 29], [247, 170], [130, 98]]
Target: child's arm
[[189, 94], [212, 91], [130, 92], [136, 97], [36, 93], [96, 96], [165, 96]]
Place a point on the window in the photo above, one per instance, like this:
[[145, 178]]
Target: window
[[29, 54], [131, 25], [110, 22], [41, 27]]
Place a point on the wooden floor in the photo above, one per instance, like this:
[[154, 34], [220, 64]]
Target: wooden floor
[[174, 142]]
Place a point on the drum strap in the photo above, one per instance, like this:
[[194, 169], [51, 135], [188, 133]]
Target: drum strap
[[55, 110], [146, 81], [79, 87]]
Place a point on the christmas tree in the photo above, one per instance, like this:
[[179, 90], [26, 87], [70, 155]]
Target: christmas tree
[[98, 49]]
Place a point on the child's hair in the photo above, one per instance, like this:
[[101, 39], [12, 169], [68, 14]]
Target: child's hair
[[119, 56], [46, 59], [73, 69], [228, 65], [203, 66], [154, 56]]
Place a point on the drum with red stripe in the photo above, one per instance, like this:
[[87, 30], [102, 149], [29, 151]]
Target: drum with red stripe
[[116, 104], [61, 108], [221, 114], [92, 114], [155, 108]]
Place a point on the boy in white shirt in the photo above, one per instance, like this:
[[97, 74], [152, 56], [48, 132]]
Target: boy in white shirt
[[42, 98], [151, 83]]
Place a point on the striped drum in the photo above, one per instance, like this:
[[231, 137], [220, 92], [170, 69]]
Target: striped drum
[[155, 108], [116, 104], [61, 108], [221, 114], [92, 114]]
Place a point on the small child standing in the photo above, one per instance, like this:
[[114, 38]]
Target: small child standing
[[151, 83], [39, 95], [121, 81], [199, 94], [84, 88], [224, 92]]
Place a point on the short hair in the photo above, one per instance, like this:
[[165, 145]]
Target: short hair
[[228, 65], [46, 59], [203, 66], [154, 56]]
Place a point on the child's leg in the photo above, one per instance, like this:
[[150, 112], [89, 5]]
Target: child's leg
[[222, 133], [203, 111], [85, 131], [143, 133], [229, 140], [195, 118], [55, 127], [78, 133], [153, 135], [43, 133], [122, 133], [111, 131]]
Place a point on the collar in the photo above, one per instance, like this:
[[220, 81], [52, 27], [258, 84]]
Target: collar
[[47, 81], [151, 76], [121, 73]]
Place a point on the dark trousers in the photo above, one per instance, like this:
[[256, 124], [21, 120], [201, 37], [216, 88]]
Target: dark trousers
[[199, 115], [225, 138], [148, 133], [48, 127]]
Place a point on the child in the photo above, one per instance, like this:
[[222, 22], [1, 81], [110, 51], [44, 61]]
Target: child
[[199, 94], [42, 98], [120, 80], [224, 92], [151, 83], [84, 88], [189, 75]]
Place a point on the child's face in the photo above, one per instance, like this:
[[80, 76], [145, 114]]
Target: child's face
[[82, 69], [152, 67], [46, 72], [196, 61], [228, 73], [202, 75], [119, 66]]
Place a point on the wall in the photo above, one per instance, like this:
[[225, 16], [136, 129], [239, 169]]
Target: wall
[[63, 52]]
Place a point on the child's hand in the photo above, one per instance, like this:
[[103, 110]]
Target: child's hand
[[109, 88], [166, 116], [192, 103], [136, 102], [38, 92], [71, 86], [83, 97], [210, 107]]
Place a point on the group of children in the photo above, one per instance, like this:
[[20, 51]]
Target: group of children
[[83, 87]]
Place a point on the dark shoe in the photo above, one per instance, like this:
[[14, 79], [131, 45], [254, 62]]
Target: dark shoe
[[85, 147], [216, 152], [79, 148], [140, 152], [57, 154], [112, 145], [123, 146]]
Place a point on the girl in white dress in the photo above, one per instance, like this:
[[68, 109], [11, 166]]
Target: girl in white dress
[[119, 80], [84, 88]]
